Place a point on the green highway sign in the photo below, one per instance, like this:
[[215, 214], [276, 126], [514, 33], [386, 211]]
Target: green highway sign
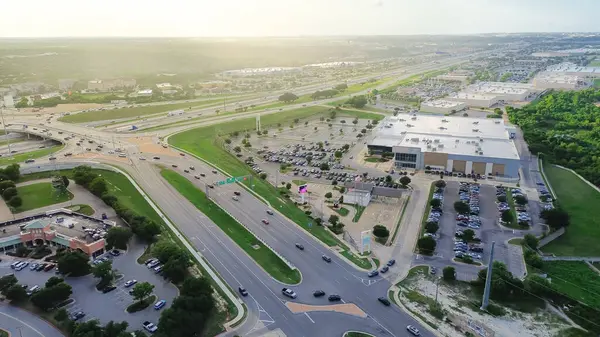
[[232, 180]]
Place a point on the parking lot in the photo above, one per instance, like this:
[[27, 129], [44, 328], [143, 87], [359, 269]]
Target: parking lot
[[112, 305]]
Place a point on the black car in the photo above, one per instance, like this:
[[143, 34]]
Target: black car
[[373, 273], [334, 298], [391, 262], [78, 315], [108, 289], [384, 269], [214, 171], [40, 267], [326, 258], [318, 293], [299, 246], [237, 193], [243, 291], [384, 301], [115, 252], [174, 165]]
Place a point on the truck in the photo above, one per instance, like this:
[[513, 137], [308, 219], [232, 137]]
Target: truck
[[175, 113]]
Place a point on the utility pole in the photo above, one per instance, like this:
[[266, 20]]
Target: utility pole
[[5, 133], [488, 280]]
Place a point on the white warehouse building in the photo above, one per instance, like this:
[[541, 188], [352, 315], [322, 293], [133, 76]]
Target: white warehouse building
[[443, 106], [474, 100], [550, 80], [569, 68]]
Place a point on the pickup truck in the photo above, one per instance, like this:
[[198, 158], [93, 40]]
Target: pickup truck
[[149, 326], [289, 293]]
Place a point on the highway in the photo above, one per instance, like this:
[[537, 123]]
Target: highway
[[268, 309]]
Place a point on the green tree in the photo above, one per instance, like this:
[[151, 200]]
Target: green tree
[[73, 263], [468, 235], [15, 201], [6, 184], [328, 195], [381, 231], [501, 198], [176, 269], [23, 103], [358, 101], [404, 180], [83, 175], [146, 230], [338, 154], [98, 186], [333, 219], [426, 245], [341, 87], [103, 270], [324, 167], [555, 218], [65, 181], [7, 281], [435, 203], [227, 141], [237, 149], [263, 176], [112, 329], [166, 249], [9, 193], [15, 293], [142, 290], [61, 315], [449, 273], [11, 172], [432, 227], [507, 216], [521, 200], [48, 297], [537, 285], [54, 280], [118, 237], [440, 184], [288, 97], [461, 207], [388, 178], [531, 241], [288, 186]]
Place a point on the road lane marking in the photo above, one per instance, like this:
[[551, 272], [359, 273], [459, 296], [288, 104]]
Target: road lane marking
[[20, 321], [309, 317]]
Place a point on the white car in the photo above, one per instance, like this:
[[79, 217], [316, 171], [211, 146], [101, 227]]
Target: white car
[[149, 326], [142, 158], [413, 330], [130, 283]]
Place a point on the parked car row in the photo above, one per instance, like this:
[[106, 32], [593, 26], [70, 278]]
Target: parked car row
[[20, 265], [523, 216], [469, 194]]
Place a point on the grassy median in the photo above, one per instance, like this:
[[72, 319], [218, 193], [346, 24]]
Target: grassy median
[[268, 260], [207, 144], [22, 157]]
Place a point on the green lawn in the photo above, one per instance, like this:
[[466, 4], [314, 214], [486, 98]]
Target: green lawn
[[341, 210], [357, 334], [94, 116], [83, 209], [575, 279], [270, 262], [594, 63], [597, 82], [358, 214], [579, 200], [376, 160], [40, 195], [22, 157], [299, 182], [206, 143]]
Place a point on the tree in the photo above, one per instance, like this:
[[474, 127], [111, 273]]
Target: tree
[[358, 101], [15, 293], [404, 181], [432, 227], [381, 231], [503, 284], [83, 175], [461, 207], [288, 97], [363, 131], [7, 281], [54, 280], [521, 200], [142, 290], [440, 184], [112, 329], [118, 237], [61, 315], [468, 235], [237, 149], [22, 251], [98, 186], [338, 154], [65, 181], [342, 189], [23, 103], [324, 167], [341, 87], [388, 178], [501, 198], [537, 285], [355, 121], [426, 245], [449, 273], [227, 141], [435, 203], [533, 259], [288, 186], [555, 218], [334, 183], [49, 296], [328, 195], [103, 270], [74, 263], [146, 229], [531, 241], [9, 193], [5, 184], [507, 216], [11, 172], [166, 249], [15, 201], [263, 176], [333, 219], [175, 269]]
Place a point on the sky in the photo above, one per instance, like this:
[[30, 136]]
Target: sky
[[240, 18]]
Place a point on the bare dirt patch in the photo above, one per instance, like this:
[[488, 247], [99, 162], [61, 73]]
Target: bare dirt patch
[[150, 145]]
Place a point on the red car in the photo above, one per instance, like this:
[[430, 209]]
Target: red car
[[265, 221]]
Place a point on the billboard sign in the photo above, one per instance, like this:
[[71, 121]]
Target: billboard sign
[[303, 189]]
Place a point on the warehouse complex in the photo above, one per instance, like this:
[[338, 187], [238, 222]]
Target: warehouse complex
[[552, 80], [452, 144], [487, 94], [568, 68]]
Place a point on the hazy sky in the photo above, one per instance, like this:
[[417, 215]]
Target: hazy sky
[[33, 18]]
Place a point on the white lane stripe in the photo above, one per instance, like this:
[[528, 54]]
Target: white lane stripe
[[20, 321], [309, 317]]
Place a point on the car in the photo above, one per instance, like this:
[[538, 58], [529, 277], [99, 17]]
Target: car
[[270, 212], [413, 330], [214, 171], [202, 175], [432, 270], [52, 158], [235, 198], [289, 293], [186, 171], [49, 267], [326, 258], [33, 266], [182, 154], [174, 165], [192, 168], [30, 161], [373, 273], [391, 262], [150, 327], [211, 186], [265, 221], [384, 301], [108, 289], [243, 291], [130, 283], [318, 293], [384, 269], [115, 252], [158, 269], [153, 264], [156, 158], [197, 176], [41, 267], [299, 246], [160, 304], [334, 298], [77, 316], [237, 193]]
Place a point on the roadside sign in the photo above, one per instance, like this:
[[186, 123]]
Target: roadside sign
[[232, 180], [309, 224]]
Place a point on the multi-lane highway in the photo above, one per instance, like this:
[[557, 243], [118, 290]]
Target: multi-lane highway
[[268, 309]]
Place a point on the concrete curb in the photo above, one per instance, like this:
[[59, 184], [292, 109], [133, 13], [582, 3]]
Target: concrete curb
[[541, 167]]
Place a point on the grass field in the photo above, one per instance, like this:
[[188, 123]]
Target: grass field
[[206, 143], [39, 195], [83, 209], [22, 157], [594, 63], [341, 210], [597, 82], [357, 334], [575, 279], [579, 200], [270, 262], [94, 116]]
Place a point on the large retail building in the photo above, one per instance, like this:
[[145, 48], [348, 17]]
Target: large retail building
[[445, 143]]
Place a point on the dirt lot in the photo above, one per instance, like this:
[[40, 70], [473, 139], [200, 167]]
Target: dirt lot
[[64, 108], [149, 145]]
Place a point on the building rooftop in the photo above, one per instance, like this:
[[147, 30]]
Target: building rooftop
[[568, 67], [452, 135], [558, 78], [470, 95], [441, 103], [499, 88]]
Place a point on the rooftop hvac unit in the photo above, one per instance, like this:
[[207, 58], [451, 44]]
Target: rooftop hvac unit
[[468, 141], [481, 152], [433, 149], [481, 139], [413, 118], [403, 132], [429, 146], [444, 120], [475, 130], [476, 151], [497, 122], [408, 125], [436, 140], [402, 120], [476, 122], [458, 140], [441, 146]]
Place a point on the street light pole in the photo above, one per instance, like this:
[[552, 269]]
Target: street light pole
[[4, 126]]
